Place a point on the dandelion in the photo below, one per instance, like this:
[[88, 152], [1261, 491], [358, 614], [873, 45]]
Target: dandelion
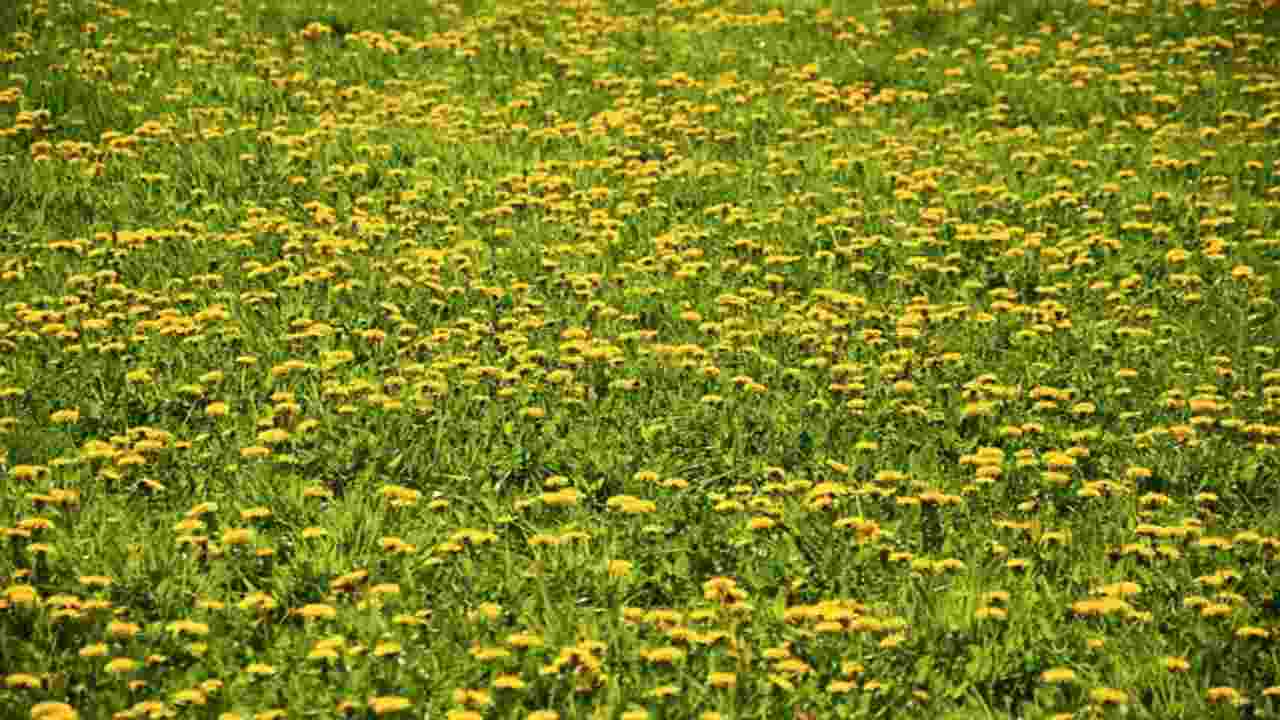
[[663, 656], [188, 627], [121, 630], [317, 611], [1108, 696], [507, 681], [1058, 676], [722, 680], [69, 416], [274, 436], [619, 568], [1219, 695], [383, 705], [237, 536], [561, 498], [524, 640], [991, 613], [22, 681], [121, 666], [630, 505], [50, 710], [665, 691]]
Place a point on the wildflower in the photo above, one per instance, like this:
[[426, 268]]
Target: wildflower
[[663, 656], [65, 417], [630, 505], [121, 665], [991, 613], [50, 710], [1058, 675], [1109, 696], [382, 705], [188, 627], [237, 536], [524, 640], [25, 681], [317, 611], [722, 680], [507, 681], [1230, 695], [21, 595], [665, 691]]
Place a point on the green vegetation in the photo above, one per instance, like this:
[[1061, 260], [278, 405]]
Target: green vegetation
[[608, 359]]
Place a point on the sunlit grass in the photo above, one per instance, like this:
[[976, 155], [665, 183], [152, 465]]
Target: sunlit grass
[[634, 360]]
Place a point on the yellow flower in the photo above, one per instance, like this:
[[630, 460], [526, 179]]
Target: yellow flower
[[619, 568], [841, 687], [53, 711], [665, 691], [561, 498], [381, 705], [121, 665], [722, 680], [65, 417], [188, 627], [991, 613], [663, 655], [508, 681], [1109, 696], [524, 640], [1058, 675], [1225, 695], [274, 436], [315, 611], [21, 595], [237, 536], [630, 505], [26, 681], [139, 376], [472, 698]]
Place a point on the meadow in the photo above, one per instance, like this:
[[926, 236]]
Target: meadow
[[569, 359]]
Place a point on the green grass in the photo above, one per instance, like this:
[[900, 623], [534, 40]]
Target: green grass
[[611, 359]]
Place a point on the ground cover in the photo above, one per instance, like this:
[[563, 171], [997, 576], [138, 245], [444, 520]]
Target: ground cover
[[601, 359]]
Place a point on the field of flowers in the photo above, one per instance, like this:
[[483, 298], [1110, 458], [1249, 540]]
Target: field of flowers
[[639, 359]]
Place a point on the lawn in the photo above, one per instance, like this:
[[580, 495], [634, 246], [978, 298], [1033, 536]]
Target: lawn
[[626, 359]]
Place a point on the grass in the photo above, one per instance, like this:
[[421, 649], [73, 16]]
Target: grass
[[639, 359]]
